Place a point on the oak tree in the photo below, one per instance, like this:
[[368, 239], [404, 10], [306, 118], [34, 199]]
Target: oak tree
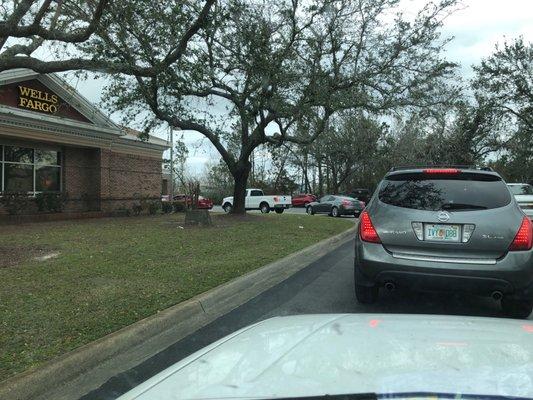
[[262, 68]]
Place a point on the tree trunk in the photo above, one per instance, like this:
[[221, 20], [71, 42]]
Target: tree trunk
[[240, 175], [305, 170], [328, 179], [320, 180], [334, 179], [313, 182]]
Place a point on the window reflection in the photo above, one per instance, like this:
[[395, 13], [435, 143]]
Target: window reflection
[[18, 154], [24, 169], [437, 194], [47, 179], [18, 178], [420, 195], [47, 157]]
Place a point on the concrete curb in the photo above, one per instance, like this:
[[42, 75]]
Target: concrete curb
[[168, 326]]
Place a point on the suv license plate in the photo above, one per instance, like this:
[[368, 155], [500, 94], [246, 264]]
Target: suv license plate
[[441, 233]]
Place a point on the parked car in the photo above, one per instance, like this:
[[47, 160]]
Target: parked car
[[303, 200], [446, 229], [336, 206], [523, 193], [256, 200], [203, 202], [360, 194], [356, 356]]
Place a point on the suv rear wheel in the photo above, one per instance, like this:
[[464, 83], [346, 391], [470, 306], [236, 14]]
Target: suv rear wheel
[[366, 294], [516, 308]]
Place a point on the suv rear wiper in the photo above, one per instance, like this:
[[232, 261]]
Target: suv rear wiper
[[461, 206]]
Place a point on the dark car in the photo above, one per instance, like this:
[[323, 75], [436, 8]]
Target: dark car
[[303, 200], [336, 206], [360, 194], [451, 229]]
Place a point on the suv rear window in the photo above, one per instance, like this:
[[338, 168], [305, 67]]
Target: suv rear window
[[464, 191]]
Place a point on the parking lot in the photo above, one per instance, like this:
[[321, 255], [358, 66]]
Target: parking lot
[[326, 286], [292, 210]]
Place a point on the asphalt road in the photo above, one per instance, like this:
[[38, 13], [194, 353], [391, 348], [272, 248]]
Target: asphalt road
[[326, 286]]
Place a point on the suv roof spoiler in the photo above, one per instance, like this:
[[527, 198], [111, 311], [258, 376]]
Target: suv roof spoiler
[[476, 167]]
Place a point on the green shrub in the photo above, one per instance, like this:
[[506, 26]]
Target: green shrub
[[154, 207], [178, 206], [137, 209], [144, 203], [50, 202], [17, 202], [121, 212], [166, 207]]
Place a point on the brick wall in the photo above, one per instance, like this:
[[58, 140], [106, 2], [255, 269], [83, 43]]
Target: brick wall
[[99, 179], [81, 178], [126, 177]]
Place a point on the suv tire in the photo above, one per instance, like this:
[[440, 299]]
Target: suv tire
[[366, 294], [516, 308]]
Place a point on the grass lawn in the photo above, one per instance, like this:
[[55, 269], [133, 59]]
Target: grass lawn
[[108, 273]]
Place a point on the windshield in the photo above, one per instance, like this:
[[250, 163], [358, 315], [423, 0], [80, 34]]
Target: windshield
[[521, 189], [462, 192]]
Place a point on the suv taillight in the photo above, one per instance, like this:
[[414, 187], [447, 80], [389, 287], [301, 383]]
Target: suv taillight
[[524, 237], [366, 229]]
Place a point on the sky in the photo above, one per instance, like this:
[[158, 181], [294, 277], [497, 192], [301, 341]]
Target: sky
[[476, 27]]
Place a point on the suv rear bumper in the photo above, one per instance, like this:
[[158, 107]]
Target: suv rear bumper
[[511, 275]]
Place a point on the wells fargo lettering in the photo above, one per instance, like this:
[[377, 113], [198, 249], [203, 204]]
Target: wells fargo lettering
[[37, 100]]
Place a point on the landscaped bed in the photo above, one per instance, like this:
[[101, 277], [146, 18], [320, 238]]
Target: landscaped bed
[[63, 284]]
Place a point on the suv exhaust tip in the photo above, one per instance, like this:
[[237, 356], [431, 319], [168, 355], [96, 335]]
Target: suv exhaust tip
[[390, 286], [497, 295]]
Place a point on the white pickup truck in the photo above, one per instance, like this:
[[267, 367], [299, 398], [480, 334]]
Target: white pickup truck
[[256, 200]]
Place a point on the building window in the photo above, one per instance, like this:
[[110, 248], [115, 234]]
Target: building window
[[25, 169]]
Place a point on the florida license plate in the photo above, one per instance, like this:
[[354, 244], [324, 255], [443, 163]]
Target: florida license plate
[[441, 233]]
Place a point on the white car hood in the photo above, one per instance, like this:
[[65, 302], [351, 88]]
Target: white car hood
[[310, 355]]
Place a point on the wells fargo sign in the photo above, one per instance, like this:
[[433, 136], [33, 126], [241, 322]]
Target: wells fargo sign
[[38, 100]]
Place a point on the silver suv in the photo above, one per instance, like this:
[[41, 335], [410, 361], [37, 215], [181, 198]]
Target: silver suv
[[446, 229]]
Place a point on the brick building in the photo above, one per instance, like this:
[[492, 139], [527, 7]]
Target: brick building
[[53, 140]]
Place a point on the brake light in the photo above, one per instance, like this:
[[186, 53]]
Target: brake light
[[524, 237], [441, 171], [366, 229]]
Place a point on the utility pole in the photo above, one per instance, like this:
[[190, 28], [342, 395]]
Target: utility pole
[[171, 133]]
